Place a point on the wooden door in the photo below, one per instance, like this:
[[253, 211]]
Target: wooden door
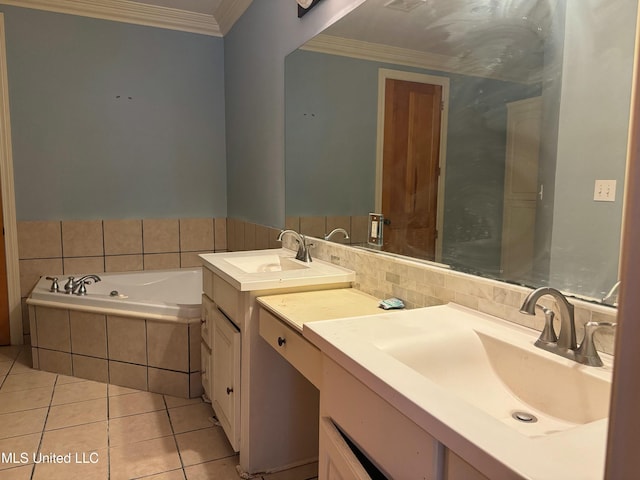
[[411, 167], [524, 119], [5, 338]]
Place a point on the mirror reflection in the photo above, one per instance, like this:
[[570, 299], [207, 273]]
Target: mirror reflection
[[491, 134]]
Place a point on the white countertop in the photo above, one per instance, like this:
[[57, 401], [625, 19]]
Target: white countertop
[[316, 272], [497, 450]]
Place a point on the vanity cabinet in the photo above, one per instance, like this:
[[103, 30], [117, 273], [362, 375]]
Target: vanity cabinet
[[220, 353], [261, 400]]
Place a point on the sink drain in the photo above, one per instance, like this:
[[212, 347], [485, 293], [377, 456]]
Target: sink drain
[[524, 417]]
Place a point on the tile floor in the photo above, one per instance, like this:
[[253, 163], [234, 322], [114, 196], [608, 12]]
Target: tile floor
[[106, 431]]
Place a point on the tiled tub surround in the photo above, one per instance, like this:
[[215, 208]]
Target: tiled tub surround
[[147, 337], [96, 246], [153, 355]]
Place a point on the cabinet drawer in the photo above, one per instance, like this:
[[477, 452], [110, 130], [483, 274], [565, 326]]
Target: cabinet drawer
[[206, 370], [206, 330], [292, 346], [227, 298], [207, 282]]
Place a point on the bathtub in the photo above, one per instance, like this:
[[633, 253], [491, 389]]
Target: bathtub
[[139, 330], [164, 295]]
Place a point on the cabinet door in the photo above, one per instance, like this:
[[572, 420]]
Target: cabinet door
[[226, 376], [336, 461]]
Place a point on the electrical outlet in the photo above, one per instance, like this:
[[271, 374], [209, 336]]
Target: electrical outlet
[[605, 191]]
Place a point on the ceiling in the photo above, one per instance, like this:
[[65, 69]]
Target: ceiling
[[208, 17]]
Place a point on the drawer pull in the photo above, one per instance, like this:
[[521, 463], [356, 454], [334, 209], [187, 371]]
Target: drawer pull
[[281, 341], [229, 390]]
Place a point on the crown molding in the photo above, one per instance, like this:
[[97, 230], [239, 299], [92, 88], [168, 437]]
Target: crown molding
[[228, 12], [348, 47], [128, 11]]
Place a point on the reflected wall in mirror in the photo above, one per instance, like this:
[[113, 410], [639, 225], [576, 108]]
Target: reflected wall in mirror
[[526, 106]]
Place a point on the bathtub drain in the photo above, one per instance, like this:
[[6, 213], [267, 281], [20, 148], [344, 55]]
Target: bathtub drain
[[524, 417]]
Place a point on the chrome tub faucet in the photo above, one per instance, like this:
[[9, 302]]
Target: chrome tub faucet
[[77, 286]]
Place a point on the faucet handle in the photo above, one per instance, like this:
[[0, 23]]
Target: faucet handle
[[54, 284], [548, 334], [586, 352]]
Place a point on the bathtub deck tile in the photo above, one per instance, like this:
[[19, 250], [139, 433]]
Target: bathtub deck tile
[[88, 334], [91, 368], [128, 375], [126, 340]]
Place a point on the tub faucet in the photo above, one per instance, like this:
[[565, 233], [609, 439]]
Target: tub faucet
[[78, 285], [608, 299], [303, 248], [337, 230], [566, 344]]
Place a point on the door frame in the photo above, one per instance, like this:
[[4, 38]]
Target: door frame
[[383, 75], [9, 200]]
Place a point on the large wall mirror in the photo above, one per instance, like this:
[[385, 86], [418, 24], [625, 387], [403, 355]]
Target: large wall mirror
[[491, 134]]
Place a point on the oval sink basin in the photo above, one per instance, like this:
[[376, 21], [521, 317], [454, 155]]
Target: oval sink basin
[[265, 263]]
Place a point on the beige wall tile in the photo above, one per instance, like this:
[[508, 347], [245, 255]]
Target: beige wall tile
[[88, 334], [122, 237], [191, 259], [313, 226], [123, 263], [96, 369], [127, 340], [32, 270], [238, 235], [196, 234], [35, 358], [262, 237], [169, 383], [195, 385], [273, 238], [52, 325], [56, 362], [161, 261], [359, 229], [168, 345], [292, 223], [231, 234], [128, 375], [82, 238], [39, 239], [249, 236], [161, 236], [83, 265], [26, 326], [220, 237]]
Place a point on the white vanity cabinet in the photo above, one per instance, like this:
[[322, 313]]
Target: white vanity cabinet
[[220, 352], [249, 383]]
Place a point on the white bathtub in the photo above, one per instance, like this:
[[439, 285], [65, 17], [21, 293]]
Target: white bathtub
[[162, 294]]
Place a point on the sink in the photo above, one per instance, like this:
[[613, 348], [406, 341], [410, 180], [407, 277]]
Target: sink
[[255, 270], [265, 263], [485, 362]]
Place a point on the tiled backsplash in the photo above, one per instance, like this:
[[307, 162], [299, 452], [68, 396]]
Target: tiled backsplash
[[95, 246], [419, 284]]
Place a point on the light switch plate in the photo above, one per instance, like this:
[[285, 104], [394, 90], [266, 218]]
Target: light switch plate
[[605, 191]]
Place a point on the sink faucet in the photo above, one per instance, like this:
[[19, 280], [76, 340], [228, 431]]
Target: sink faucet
[[78, 285], [566, 344], [337, 230], [303, 249]]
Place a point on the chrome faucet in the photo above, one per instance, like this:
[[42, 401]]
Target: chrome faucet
[[337, 230], [303, 248], [565, 343], [78, 285]]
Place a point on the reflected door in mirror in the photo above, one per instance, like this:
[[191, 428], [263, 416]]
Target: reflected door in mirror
[[411, 167]]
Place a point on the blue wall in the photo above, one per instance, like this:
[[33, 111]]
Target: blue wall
[[255, 50], [82, 149]]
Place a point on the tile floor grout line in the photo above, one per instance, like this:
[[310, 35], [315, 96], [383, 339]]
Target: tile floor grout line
[[173, 433], [33, 471]]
